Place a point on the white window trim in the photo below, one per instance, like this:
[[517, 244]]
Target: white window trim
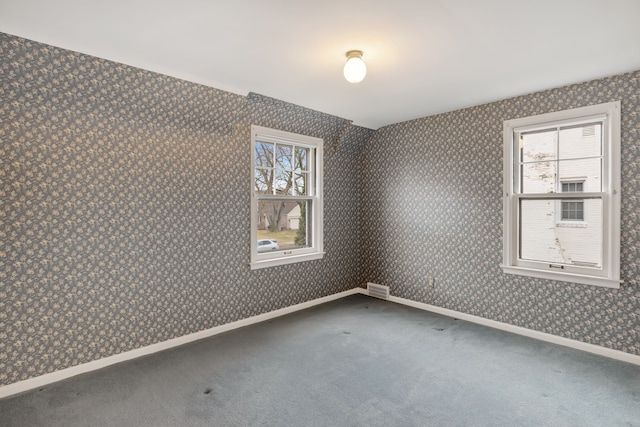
[[315, 189], [609, 275]]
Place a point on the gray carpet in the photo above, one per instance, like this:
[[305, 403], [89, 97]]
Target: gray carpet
[[357, 361]]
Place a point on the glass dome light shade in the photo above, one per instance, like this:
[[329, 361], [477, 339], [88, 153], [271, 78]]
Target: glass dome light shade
[[355, 69]]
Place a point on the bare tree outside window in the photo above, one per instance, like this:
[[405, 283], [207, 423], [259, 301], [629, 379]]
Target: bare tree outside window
[[282, 170]]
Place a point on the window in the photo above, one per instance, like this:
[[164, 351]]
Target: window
[[286, 201], [572, 210], [562, 195]]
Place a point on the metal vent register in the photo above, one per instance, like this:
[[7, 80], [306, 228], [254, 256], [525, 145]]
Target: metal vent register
[[378, 291]]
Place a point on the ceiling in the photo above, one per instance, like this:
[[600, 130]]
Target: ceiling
[[424, 56]]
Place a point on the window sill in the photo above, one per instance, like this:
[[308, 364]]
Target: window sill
[[273, 262], [604, 282], [568, 224]]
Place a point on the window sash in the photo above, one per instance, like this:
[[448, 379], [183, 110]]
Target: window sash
[[310, 222], [576, 273], [543, 162], [551, 265], [272, 168]]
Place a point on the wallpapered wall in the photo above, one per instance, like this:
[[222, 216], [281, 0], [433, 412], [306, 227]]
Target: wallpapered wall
[[125, 212], [125, 209], [432, 207]]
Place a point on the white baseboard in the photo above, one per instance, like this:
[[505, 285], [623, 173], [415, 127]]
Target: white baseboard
[[43, 380], [554, 339]]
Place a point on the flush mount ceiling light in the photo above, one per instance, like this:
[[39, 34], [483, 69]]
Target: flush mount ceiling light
[[355, 69]]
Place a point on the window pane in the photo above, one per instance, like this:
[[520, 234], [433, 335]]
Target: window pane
[[283, 157], [301, 159], [284, 182], [263, 181], [589, 171], [301, 183], [285, 222], [581, 141], [264, 154], [573, 211], [572, 187], [537, 146], [539, 177], [543, 239]]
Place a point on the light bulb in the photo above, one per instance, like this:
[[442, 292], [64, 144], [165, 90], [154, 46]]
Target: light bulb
[[355, 69]]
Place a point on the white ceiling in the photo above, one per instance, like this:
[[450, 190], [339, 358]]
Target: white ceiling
[[424, 57]]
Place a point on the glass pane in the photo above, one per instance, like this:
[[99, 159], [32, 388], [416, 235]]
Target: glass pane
[[539, 177], [263, 181], [300, 183], [300, 163], [543, 237], [283, 157], [282, 225], [284, 182], [537, 146], [264, 154], [581, 141], [588, 171], [542, 177], [572, 187], [573, 211]]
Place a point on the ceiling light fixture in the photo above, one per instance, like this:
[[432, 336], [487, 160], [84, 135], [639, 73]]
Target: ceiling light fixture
[[355, 69]]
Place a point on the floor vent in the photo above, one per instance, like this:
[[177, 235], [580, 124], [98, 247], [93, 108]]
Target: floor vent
[[378, 291]]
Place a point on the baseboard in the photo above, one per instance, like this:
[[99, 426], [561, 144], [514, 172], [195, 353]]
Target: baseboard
[[43, 380], [554, 339]]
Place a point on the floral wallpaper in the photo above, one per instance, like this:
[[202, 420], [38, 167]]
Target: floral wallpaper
[[125, 208], [124, 212], [431, 202]]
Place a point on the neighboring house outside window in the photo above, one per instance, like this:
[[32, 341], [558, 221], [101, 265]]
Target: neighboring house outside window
[[286, 197], [562, 195]]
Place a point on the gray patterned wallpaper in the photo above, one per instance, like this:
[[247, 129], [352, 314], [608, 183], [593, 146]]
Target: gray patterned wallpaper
[[432, 207], [124, 212], [125, 209]]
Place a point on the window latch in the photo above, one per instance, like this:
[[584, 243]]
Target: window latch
[[556, 266]]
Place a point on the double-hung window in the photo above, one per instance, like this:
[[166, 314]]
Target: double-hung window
[[286, 197], [562, 195]]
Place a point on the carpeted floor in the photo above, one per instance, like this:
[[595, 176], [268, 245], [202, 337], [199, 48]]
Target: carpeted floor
[[357, 361]]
